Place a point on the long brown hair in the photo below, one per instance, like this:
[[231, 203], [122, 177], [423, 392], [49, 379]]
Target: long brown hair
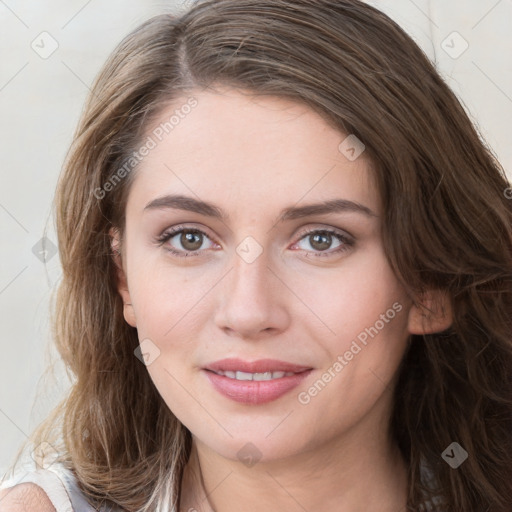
[[447, 224]]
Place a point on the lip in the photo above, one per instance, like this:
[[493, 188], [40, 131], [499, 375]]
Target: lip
[[255, 392]]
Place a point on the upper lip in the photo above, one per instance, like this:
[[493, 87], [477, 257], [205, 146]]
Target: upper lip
[[259, 366]]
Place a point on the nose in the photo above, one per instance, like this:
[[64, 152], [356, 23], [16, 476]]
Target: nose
[[251, 300]]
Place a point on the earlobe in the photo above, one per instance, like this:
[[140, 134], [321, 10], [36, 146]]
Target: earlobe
[[122, 283], [433, 313]]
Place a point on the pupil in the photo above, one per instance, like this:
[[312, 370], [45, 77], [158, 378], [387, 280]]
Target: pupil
[[321, 246], [188, 238]]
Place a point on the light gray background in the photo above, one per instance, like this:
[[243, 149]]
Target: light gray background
[[41, 99]]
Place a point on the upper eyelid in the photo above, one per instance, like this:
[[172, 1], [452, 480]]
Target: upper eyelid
[[175, 230], [333, 229]]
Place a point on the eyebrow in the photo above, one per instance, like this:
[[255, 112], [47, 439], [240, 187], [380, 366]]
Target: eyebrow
[[181, 202]]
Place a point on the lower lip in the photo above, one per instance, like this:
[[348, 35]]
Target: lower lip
[[255, 392]]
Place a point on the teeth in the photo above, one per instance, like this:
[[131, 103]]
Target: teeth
[[254, 376]]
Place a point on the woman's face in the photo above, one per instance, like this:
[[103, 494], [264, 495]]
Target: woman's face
[[255, 276]]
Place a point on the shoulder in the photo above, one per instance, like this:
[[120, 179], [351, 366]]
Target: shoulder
[[25, 497], [53, 489]]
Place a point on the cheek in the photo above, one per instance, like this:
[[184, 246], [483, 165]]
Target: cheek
[[165, 298], [367, 310], [353, 296]]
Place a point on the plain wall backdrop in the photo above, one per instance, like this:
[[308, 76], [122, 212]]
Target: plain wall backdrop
[[51, 52]]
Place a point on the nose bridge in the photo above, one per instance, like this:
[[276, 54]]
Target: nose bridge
[[250, 300], [250, 275]]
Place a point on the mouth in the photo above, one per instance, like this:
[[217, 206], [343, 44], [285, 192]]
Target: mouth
[[238, 375], [255, 382], [262, 367]]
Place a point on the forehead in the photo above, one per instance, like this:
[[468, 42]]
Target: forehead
[[235, 149]]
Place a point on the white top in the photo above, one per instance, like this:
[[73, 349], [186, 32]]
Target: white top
[[58, 483]]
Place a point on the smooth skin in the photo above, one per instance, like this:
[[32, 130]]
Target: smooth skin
[[298, 301]]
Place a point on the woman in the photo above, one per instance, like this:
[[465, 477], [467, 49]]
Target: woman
[[287, 193]]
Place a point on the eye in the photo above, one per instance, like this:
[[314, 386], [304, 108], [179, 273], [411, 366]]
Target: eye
[[185, 242], [191, 241], [319, 240]]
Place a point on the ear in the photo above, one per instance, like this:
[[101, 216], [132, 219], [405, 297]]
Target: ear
[[432, 314], [122, 283]]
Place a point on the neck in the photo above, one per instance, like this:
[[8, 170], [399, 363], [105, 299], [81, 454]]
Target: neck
[[364, 474]]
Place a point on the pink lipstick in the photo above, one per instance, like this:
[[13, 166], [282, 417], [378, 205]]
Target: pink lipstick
[[255, 382]]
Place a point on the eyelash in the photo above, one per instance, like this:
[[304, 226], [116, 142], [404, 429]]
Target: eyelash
[[167, 235]]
